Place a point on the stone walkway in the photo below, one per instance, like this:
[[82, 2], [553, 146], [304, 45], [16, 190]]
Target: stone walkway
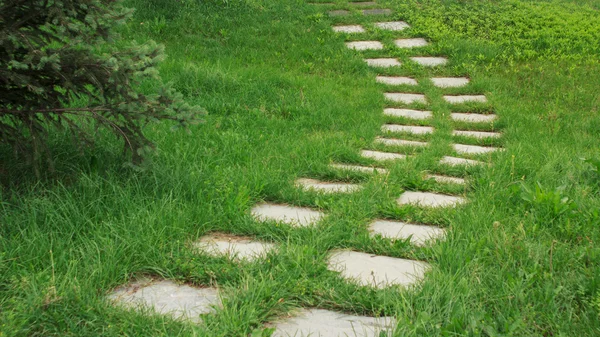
[[359, 268]]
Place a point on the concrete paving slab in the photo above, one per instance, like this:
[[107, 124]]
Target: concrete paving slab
[[350, 29], [416, 130], [399, 142], [473, 118], [392, 25], [383, 62], [234, 247], [364, 45], [446, 179], [377, 11], [455, 161], [427, 199], [407, 113], [426, 61], [450, 82], [292, 215], [476, 134], [411, 43], [362, 3], [405, 98], [358, 168], [472, 149], [397, 230], [339, 12], [396, 80], [458, 99], [326, 187], [381, 156]]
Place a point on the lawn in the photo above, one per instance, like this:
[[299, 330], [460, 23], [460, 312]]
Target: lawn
[[285, 98]]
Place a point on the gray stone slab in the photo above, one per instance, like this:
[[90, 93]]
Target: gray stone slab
[[455, 161], [396, 80], [473, 118], [416, 130], [405, 97], [427, 199], [377, 11], [365, 45], [358, 168], [363, 3], [234, 247], [407, 113], [450, 82], [377, 271], [292, 215], [411, 43], [458, 99], [392, 25], [339, 12], [446, 179], [350, 29], [325, 323], [383, 62], [326, 187], [472, 149], [168, 298], [476, 134], [397, 230], [381, 156], [399, 142], [427, 61]]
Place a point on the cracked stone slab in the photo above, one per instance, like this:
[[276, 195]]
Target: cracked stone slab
[[427, 61], [397, 230], [416, 130], [396, 80], [381, 156], [234, 247], [292, 215], [472, 117], [411, 43], [458, 99], [408, 113], [168, 298], [455, 161], [450, 82], [398, 142], [446, 179], [376, 271], [476, 134], [383, 62], [405, 98], [350, 29], [339, 12], [472, 149], [358, 168], [377, 11], [326, 187], [365, 45], [326, 323], [427, 199], [392, 25]]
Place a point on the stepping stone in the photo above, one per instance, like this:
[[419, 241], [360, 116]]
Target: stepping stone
[[392, 25], [446, 179], [476, 134], [455, 161], [465, 99], [339, 12], [363, 3], [376, 271], [383, 62], [357, 168], [427, 199], [411, 43], [396, 80], [381, 156], [405, 98], [168, 298], [235, 247], [377, 11], [472, 149], [326, 187], [430, 61], [473, 118], [292, 215], [407, 113], [365, 45], [418, 234], [325, 323], [416, 130], [349, 29], [398, 142], [450, 82]]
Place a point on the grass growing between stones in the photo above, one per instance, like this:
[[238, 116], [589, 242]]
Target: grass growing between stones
[[285, 99]]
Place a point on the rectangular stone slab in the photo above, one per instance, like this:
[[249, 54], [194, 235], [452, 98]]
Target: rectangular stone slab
[[396, 80], [472, 149], [358, 168], [426, 61], [326, 187], [399, 142], [381, 156], [455, 161], [397, 230], [465, 99], [405, 97], [233, 247], [365, 45], [445, 179], [292, 215], [427, 199], [362, 3], [392, 25], [383, 62], [450, 82], [476, 134], [473, 118], [411, 43], [416, 130], [407, 113], [339, 12], [350, 29], [377, 11]]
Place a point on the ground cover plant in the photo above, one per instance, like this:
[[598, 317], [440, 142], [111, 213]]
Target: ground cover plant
[[285, 98]]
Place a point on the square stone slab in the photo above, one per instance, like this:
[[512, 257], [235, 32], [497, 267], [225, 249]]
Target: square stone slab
[[234, 247], [392, 25], [427, 199], [445, 179], [396, 80], [418, 234], [407, 113], [465, 99], [454, 161], [416, 130], [357, 168], [325, 323], [383, 62], [381, 156], [450, 82], [398, 142], [326, 187], [476, 134], [350, 29], [377, 11], [405, 98], [292, 215], [426, 61], [168, 298], [365, 45], [472, 149], [339, 12], [411, 43], [473, 118], [377, 271]]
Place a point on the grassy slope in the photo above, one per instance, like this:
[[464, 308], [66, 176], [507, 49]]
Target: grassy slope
[[285, 98]]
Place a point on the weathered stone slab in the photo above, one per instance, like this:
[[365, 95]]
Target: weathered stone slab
[[427, 199], [405, 98], [450, 82], [455, 161], [381, 156], [377, 11], [473, 118], [407, 113], [339, 12], [357, 168], [292, 215], [472, 149], [418, 234], [350, 29], [363, 3], [168, 298], [392, 25], [398, 142], [377, 271], [396, 80], [476, 134], [411, 43], [465, 99], [417, 130], [325, 323], [427, 61], [234, 247], [326, 187], [445, 179], [365, 45], [383, 62]]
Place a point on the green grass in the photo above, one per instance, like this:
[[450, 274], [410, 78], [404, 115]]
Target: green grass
[[286, 98]]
